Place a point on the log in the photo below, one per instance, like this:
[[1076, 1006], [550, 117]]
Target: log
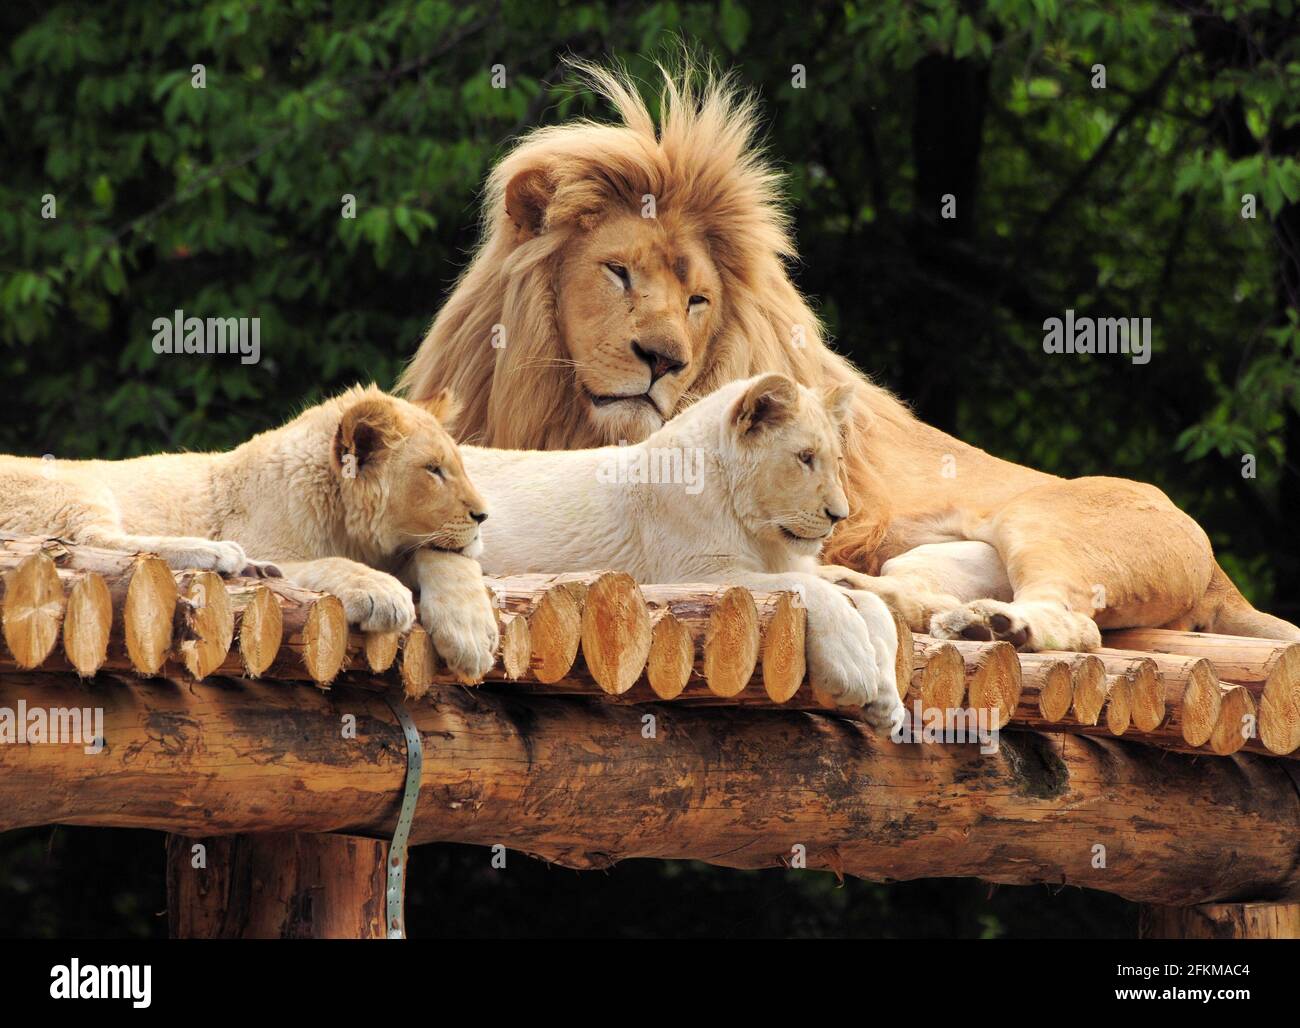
[[33, 609], [1048, 687], [737, 788], [1268, 667], [284, 885], [1221, 921]]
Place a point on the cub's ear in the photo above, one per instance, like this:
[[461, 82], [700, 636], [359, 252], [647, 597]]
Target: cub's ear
[[839, 403], [769, 401], [366, 431], [527, 196], [444, 406]]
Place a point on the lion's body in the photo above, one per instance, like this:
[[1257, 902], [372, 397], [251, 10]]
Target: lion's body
[[335, 499], [581, 321], [741, 488]]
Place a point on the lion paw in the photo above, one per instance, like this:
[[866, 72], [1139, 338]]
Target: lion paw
[[379, 604], [463, 627], [1030, 625], [225, 558]]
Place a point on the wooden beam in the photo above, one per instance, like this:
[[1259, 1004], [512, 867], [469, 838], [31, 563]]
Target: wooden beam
[[584, 783]]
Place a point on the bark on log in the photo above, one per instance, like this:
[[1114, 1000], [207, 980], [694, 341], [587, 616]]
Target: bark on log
[[276, 886], [1221, 921], [736, 788]]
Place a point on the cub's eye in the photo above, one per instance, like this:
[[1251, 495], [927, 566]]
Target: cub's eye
[[620, 273], [807, 457], [434, 470], [697, 301]]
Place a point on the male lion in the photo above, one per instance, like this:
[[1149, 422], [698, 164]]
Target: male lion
[[628, 269]]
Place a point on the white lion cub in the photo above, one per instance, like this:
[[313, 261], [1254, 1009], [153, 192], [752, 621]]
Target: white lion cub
[[742, 488]]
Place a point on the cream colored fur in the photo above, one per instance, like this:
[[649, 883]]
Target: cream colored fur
[[759, 490], [582, 321], [339, 500]]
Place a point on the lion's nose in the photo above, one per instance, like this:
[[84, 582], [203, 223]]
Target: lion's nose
[[659, 357], [479, 515], [834, 516]]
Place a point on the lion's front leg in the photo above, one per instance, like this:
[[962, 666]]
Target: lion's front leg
[[456, 610], [372, 600]]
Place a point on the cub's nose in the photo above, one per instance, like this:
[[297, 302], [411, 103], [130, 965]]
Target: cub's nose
[[479, 515]]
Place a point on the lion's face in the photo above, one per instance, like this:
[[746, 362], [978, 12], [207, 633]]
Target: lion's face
[[789, 487], [403, 482], [638, 301]]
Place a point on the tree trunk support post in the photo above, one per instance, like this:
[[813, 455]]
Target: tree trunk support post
[[1221, 921]]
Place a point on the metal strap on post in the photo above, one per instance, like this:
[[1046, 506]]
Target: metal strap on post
[[396, 868]]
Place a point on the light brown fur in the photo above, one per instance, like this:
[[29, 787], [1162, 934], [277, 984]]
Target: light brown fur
[[542, 321], [337, 499]]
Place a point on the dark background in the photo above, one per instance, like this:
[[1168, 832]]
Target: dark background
[[225, 201]]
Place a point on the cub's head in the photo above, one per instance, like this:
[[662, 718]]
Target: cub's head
[[784, 444], [401, 477]]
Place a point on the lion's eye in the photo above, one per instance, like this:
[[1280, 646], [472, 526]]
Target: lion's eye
[[807, 457], [434, 470], [620, 273], [696, 301]]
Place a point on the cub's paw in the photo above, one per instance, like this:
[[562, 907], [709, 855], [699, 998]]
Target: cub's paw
[[463, 627], [886, 710], [843, 664], [261, 569], [1031, 625], [225, 558], [379, 604]]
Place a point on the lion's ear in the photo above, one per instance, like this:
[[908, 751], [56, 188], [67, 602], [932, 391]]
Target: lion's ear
[[769, 400], [365, 433], [527, 196], [444, 406], [839, 403]]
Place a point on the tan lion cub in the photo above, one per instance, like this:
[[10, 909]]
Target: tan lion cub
[[348, 491]]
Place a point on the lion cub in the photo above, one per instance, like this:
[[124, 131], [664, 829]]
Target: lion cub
[[352, 489], [743, 488]]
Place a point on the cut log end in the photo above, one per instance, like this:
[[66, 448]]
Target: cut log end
[[1090, 687], [672, 655], [207, 624], [783, 650], [556, 629], [1148, 707], [996, 683], [1236, 721], [419, 663], [149, 613], [1119, 703], [381, 649], [1055, 691], [731, 644], [943, 679], [516, 645], [88, 624], [261, 629], [1279, 706], [33, 610], [616, 632], [325, 639], [1202, 699]]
